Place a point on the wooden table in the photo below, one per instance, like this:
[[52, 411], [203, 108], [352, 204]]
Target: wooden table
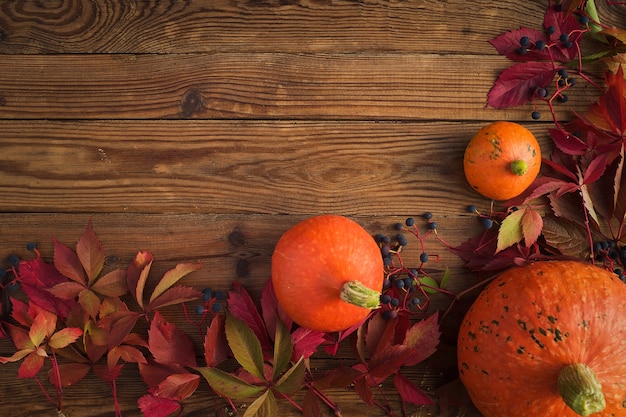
[[201, 130]]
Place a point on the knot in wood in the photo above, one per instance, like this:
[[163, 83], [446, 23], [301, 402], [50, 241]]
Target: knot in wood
[[192, 103]]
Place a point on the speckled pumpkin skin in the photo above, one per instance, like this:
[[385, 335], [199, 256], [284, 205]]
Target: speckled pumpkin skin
[[529, 323]]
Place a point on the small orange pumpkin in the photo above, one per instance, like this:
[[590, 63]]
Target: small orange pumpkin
[[327, 273], [547, 340], [502, 160]]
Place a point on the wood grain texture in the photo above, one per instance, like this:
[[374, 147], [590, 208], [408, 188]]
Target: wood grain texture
[[257, 86], [236, 167]]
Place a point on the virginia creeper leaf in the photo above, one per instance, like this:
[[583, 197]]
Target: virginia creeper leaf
[[264, 406], [569, 237], [64, 337], [271, 310], [178, 386], [67, 263], [136, 275], [112, 284], [241, 306], [107, 373], [422, 338], [68, 290], [510, 231], [229, 385], [70, 373], [175, 295], [152, 406], [292, 380], [245, 346], [516, 84], [90, 302], [43, 326], [30, 366], [168, 344], [532, 223], [429, 284], [409, 392], [282, 349], [508, 44], [215, 346], [172, 276], [305, 342], [90, 253]]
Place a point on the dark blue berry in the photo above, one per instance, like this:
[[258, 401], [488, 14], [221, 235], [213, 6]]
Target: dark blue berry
[[521, 50], [395, 302], [14, 260], [219, 295], [408, 282], [216, 307], [402, 241], [562, 83], [399, 284], [562, 72], [568, 44], [564, 38], [486, 222], [387, 261], [563, 98], [13, 286], [385, 250], [206, 296], [424, 257], [410, 221], [379, 237], [472, 209], [571, 81], [31, 246], [604, 245], [398, 226], [540, 45], [524, 41], [542, 92], [385, 299], [432, 225], [584, 20], [535, 115], [199, 310], [428, 215], [550, 30], [386, 283], [415, 301], [386, 240]]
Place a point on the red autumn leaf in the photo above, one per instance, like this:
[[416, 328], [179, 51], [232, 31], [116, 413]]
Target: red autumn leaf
[[379, 333], [152, 406], [532, 224], [242, 307], [176, 295], [90, 253], [30, 366], [409, 392], [172, 276], [112, 284], [44, 325], [70, 373], [422, 339], [106, 373], [614, 101], [168, 344], [20, 312], [215, 344], [516, 85], [596, 168], [508, 44], [36, 277], [305, 342], [363, 390], [126, 353], [137, 275], [177, 386], [154, 373], [388, 361], [272, 311], [118, 325], [67, 263], [68, 290], [90, 302], [568, 143], [563, 22]]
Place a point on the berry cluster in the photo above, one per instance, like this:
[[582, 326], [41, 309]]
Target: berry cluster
[[212, 302], [562, 81], [407, 289], [612, 256]]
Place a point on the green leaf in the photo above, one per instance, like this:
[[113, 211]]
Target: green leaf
[[90, 253], [282, 349], [172, 276], [428, 284], [245, 346], [293, 379], [264, 406], [510, 231], [229, 385], [446, 279], [592, 12]]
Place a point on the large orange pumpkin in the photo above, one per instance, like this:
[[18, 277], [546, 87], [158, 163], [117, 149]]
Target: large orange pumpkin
[[502, 160], [327, 273], [547, 340]]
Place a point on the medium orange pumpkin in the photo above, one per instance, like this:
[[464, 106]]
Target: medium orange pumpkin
[[327, 273], [542, 336], [502, 160]]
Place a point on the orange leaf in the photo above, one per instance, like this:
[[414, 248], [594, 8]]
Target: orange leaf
[[90, 253], [64, 337], [43, 326], [141, 282], [532, 223], [67, 263], [90, 302], [172, 276], [31, 365], [67, 290]]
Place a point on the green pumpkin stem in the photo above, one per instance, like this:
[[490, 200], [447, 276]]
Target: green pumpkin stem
[[580, 389], [354, 292], [519, 167]]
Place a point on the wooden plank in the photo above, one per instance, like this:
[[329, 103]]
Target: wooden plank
[[170, 26], [353, 168], [258, 86], [232, 247]]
